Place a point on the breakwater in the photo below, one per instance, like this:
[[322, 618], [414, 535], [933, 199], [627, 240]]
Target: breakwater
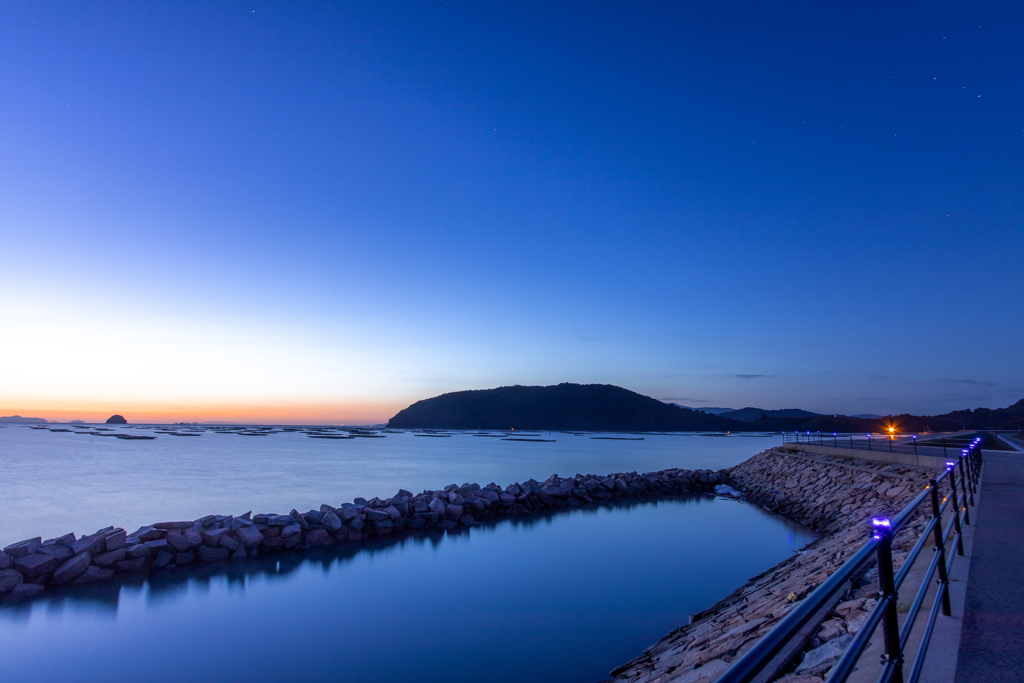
[[834, 496], [35, 566]]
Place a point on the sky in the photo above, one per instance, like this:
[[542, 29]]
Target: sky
[[323, 212]]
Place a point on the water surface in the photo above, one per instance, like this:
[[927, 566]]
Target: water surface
[[56, 482], [560, 597]]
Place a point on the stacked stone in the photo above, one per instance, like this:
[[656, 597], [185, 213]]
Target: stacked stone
[[834, 496], [29, 567]]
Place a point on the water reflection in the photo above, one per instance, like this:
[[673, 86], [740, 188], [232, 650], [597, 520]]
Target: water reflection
[[167, 584], [560, 596]]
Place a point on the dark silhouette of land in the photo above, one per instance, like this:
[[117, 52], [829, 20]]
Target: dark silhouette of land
[[751, 414], [607, 408], [1011, 417], [116, 420], [25, 420], [589, 407]]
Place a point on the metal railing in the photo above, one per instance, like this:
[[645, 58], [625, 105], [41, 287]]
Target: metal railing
[[891, 443], [774, 653]]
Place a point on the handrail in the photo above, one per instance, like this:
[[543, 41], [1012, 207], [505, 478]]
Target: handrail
[[759, 662]]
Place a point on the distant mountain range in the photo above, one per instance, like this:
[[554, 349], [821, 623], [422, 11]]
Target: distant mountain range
[[24, 420], [751, 414], [1011, 417], [709, 411]]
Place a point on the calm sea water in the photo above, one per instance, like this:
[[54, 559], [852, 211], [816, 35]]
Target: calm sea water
[[53, 483], [560, 597]]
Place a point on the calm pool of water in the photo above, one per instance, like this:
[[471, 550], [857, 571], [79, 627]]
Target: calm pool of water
[[563, 597]]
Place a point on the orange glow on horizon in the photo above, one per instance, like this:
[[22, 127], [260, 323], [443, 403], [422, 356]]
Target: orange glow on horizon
[[369, 412]]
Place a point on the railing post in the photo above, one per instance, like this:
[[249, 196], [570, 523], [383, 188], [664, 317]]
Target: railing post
[[851, 442], [893, 657], [940, 548], [963, 490], [970, 471], [869, 442], [890, 443], [915, 445], [943, 447], [956, 508]]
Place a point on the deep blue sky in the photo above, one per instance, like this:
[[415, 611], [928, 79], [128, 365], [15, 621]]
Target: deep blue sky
[[336, 209]]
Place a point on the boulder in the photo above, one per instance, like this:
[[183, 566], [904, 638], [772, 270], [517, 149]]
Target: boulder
[[159, 546], [356, 524], [9, 578], [331, 521], [23, 548], [67, 540], [163, 559], [298, 517], [54, 550], [107, 559], [436, 505], [131, 566], [6, 561], [392, 512], [212, 536], [252, 537], [820, 659], [148, 533], [173, 525], [137, 550], [36, 565], [184, 558], [72, 568], [115, 540], [239, 553], [373, 515], [207, 554], [454, 512], [194, 537], [317, 537], [92, 544], [93, 573], [25, 590], [177, 541], [291, 530], [229, 542]]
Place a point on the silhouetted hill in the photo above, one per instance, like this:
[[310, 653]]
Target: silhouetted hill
[[26, 420], [751, 414], [584, 407], [116, 420], [1011, 417]]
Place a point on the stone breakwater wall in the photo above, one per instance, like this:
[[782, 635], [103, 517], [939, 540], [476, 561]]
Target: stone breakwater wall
[[834, 496], [30, 567]]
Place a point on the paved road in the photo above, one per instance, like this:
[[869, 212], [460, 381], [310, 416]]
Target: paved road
[[992, 641]]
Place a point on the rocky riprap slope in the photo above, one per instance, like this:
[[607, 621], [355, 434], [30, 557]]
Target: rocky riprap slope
[[30, 567], [836, 497]]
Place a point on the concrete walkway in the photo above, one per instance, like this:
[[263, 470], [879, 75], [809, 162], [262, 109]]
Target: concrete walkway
[[992, 639]]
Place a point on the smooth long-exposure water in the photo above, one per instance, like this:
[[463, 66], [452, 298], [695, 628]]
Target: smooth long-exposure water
[[564, 596], [56, 482]]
